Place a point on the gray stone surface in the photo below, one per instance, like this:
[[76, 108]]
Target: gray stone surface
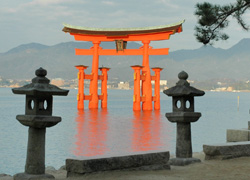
[[227, 150], [237, 135], [50, 168], [37, 121], [62, 167], [24, 176], [183, 114], [151, 161], [183, 161], [4, 175], [35, 160], [38, 116], [183, 141]]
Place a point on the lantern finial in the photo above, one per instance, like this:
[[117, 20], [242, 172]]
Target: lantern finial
[[41, 72], [183, 75]]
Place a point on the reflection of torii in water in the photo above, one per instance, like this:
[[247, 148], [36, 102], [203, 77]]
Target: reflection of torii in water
[[120, 36]]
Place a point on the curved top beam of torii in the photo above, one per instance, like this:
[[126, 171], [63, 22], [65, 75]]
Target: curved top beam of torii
[[154, 33]]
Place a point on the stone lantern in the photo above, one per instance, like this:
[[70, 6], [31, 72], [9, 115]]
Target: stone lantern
[[183, 114], [38, 116]]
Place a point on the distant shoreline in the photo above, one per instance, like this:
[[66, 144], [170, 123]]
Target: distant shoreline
[[233, 91]]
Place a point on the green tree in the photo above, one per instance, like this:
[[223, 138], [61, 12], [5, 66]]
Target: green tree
[[213, 19]]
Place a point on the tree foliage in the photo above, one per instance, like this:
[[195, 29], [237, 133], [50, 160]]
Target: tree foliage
[[213, 19]]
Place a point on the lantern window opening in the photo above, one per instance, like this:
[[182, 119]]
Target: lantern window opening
[[31, 104], [188, 104], [178, 104], [45, 105]]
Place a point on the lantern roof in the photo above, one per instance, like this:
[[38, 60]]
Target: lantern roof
[[40, 86], [183, 88], [176, 27]]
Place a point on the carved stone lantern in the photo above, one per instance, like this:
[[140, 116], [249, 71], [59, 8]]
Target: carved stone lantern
[[38, 116], [183, 114]]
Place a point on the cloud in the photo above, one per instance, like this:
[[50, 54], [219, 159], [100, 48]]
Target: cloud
[[170, 5], [20, 19], [45, 2], [110, 3], [8, 10]]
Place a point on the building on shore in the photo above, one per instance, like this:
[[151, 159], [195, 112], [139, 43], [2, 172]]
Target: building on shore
[[58, 82], [123, 85]]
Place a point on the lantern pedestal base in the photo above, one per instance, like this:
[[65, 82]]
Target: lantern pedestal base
[[25, 176], [183, 161]]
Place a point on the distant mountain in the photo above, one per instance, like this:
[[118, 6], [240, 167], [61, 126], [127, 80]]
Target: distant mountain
[[182, 55], [204, 63], [241, 47], [27, 47]]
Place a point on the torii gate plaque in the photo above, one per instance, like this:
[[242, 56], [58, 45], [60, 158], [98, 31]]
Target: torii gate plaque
[[121, 36]]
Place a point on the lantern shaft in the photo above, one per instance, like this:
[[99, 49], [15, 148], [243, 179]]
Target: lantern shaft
[[183, 141], [35, 161]]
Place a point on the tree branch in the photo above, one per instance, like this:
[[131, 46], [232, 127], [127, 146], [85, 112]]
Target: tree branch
[[214, 15]]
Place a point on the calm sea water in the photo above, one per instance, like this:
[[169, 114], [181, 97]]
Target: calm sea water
[[115, 131]]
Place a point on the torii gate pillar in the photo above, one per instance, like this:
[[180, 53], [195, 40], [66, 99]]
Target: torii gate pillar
[[156, 97], [146, 80], [104, 89], [93, 88], [81, 77], [137, 94]]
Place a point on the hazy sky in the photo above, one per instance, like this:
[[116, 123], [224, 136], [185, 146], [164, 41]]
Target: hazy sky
[[41, 21]]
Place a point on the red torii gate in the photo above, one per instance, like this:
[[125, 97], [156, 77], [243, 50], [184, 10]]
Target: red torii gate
[[121, 36]]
